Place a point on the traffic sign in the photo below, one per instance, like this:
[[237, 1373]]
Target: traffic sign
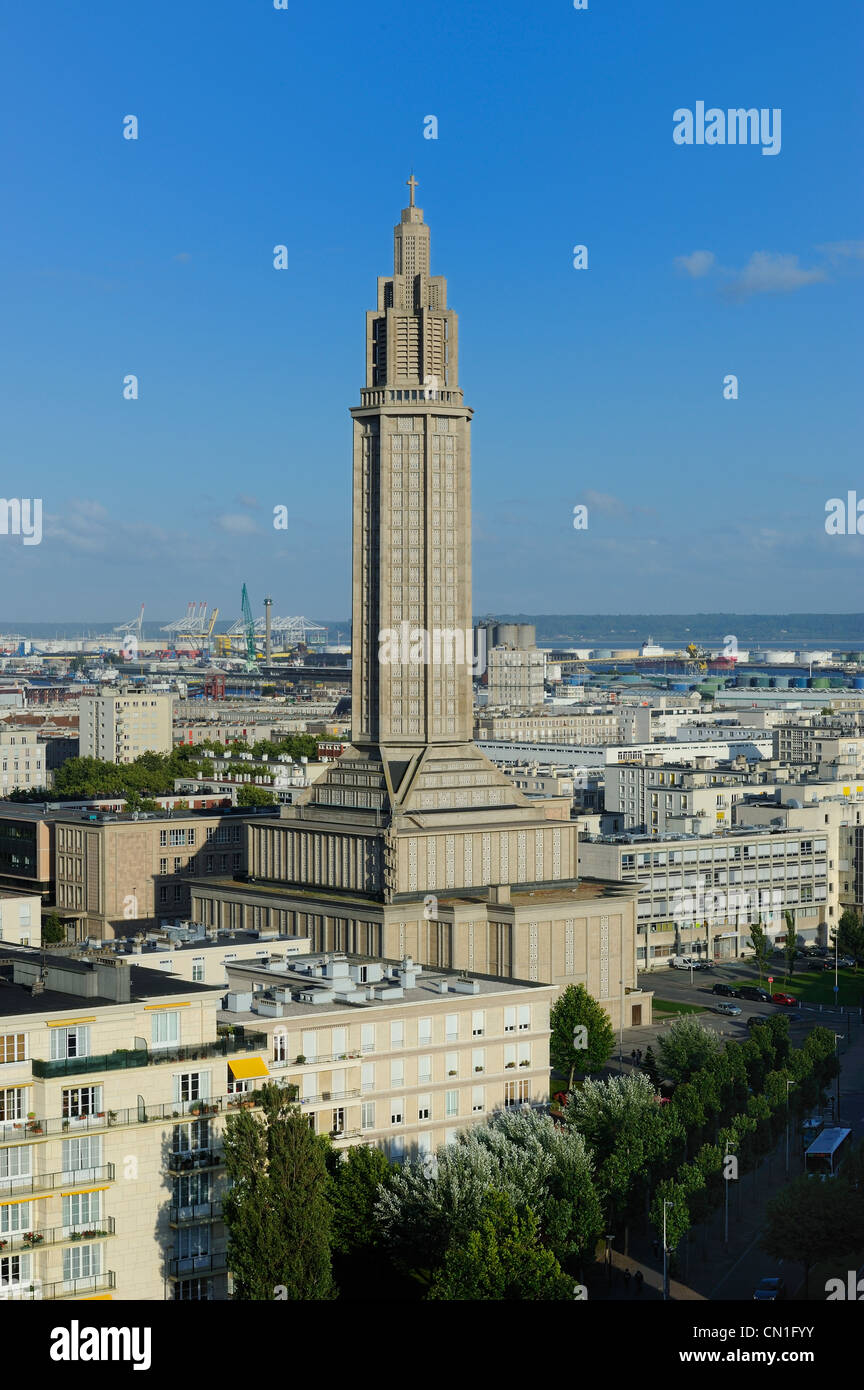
[[770, 979]]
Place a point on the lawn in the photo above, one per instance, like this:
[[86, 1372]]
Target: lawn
[[675, 1006], [817, 986]]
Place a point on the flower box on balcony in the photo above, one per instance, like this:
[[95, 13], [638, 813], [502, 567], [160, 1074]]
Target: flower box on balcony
[[511, 1064]]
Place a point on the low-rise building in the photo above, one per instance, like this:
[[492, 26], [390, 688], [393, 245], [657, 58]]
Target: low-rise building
[[22, 760]]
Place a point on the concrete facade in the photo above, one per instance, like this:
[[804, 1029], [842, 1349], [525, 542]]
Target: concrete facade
[[119, 725]]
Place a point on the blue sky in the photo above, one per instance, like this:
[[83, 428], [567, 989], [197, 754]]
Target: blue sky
[[604, 386]]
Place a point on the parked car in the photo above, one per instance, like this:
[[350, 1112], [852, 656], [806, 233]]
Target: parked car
[[781, 998], [757, 1020], [769, 1290], [727, 1008], [682, 962], [728, 990], [846, 960], [703, 965], [754, 992]]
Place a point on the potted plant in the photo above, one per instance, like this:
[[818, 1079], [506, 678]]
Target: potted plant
[[31, 1114], [112, 1116], [526, 1063], [451, 1073], [299, 1060], [3, 1244], [511, 1064], [478, 1068]]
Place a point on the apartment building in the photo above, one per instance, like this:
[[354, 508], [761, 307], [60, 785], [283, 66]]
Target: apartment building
[[27, 849], [21, 918], [113, 1092], [118, 725], [22, 761], [516, 677], [820, 743], [395, 1054], [660, 797], [698, 894], [115, 869], [190, 951], [575, 725]]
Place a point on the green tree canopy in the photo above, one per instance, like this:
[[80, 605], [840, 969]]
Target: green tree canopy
[[685, 1047], [582, 1037], [809, 1221], [277, 1210], [761, 947], [502, 1259]]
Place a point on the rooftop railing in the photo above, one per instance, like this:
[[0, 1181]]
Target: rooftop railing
[[123, 1058]]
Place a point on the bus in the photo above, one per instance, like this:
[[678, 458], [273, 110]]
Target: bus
[[826, 1153]]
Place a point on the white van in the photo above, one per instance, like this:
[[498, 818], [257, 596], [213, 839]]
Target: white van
[[682, 962]]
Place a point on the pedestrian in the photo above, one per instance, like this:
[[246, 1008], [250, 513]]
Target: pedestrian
[[627, 1278], [633, 1056], [639, 1055], [638, 1281]]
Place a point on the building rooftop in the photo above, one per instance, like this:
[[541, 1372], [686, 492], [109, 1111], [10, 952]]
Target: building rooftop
[[75, 983]]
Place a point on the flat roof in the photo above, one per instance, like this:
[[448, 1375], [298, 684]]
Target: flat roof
[[16, 1000]]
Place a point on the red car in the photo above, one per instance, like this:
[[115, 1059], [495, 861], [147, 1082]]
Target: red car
[[784, 999]]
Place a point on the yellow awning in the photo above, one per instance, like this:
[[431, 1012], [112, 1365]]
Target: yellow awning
[[243, 1070]]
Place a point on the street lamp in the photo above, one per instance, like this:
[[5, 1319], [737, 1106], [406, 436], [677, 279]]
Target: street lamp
[[727, 1180], [788, 1084], [665, 1254]]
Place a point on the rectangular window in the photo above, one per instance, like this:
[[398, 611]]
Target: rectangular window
[[397, 1073], [14, 1271], [14, 1217], [70, 1042], [397, 1111], [451, 1103], [478, 1099], [397, 1034], [16, 1166], [424, 1032], [478, 1023], [424, 1069], [367, 1037], [524, 1018], [82, 1158], [79, 1101], [516, 1092], [192, 1085], [367, 1114], [13, 1048], [367, 1076], [82, 1209], [82, 1262], [198, 969], [163, 866], [166, 1027], [478, 1059], [424, 1107], [191, 1190], [451, 1063], [451, 1027], [510, 1020]]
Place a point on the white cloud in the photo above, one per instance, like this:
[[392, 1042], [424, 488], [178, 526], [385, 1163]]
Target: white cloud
[[770, 272], [839, 251], [236, 524], [697, 264]]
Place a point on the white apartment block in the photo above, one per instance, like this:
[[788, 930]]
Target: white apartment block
[[516, 677], [699, 893], [21, 918], [22, 761], [119, 725], [396, 1055], [661, 797]]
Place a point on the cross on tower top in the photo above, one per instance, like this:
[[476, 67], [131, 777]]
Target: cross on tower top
[[412, 184]]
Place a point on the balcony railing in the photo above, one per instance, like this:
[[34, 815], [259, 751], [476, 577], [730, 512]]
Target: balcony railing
[[180, 1110], [57, 1235], [124, 1058], [194, 1213], [195, 1161], [181, 1265], [54, 1182], [328, 1096], [79, 1288]]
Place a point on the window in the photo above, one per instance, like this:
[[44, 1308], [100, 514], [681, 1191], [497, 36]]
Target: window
[[424, 1069], [478, 1023], [478, 1059], [367, 1114], [14, 1217], [424, 1031], [82, 1158], [193, 1290], [424, 1107], [16, 1166], [82, 1209], [163, 838], [81, 1100], [192, 1190], [190, 837], [192, 1085], [14, 1271], [338, 1125], [478, 1099], [163, 894], [516, 1092], [451, 1103], [451, 1027], [82, 1262], [191, 1138], [70, 1042], [178, 863], [397, 1111], [178, 892], [198, 969], [451, 1063], [367, 1038], [166, 1027], [397, 1073], [13, 1048], [163, 866], [524, 1018], [397, 1034], [510, 1020]]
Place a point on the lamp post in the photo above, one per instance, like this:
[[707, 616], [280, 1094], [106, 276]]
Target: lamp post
[[665, 1254], [727, 1180], [788, 1084]]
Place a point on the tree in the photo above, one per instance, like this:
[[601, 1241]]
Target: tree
[[686, 1047], [255, 796], [582, 1037], [761, 947], [523, 1153], [790, 947], [53, 930], [810, 1220], [357, 1177], [277, 1209], [650, 1068], [850, 933], [503, 1259]]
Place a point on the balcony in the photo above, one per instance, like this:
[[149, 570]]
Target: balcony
[[199, 1160], [179, 1266], [57, 1235], [125, 1058], [87, 1287], [180, 1110], [326, 1096], [46, 1183], [195, 1214]]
